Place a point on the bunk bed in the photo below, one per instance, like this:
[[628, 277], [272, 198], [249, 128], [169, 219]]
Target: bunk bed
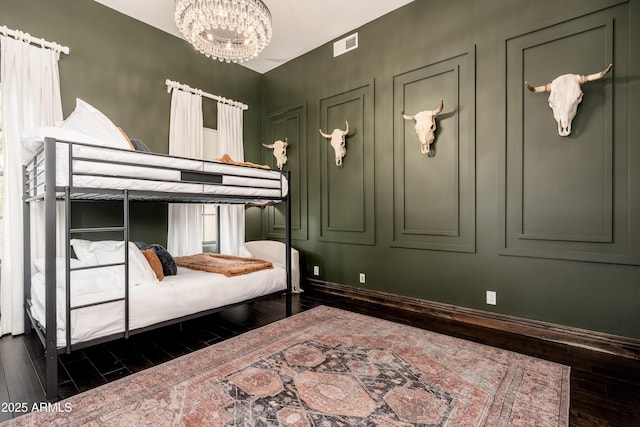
[[66, 171]]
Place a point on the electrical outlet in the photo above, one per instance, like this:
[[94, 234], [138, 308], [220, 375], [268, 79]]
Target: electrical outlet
[[363, 278], [316, 270], [491, 297]]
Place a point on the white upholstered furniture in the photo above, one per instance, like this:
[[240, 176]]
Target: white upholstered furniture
[[273, 251]]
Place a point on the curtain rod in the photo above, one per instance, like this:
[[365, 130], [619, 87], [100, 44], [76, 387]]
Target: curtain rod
[[176, 85], [26, 37]]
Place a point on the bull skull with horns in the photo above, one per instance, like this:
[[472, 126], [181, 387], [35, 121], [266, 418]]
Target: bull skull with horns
[[426, 126], [338, 142], [279, 151], [564, 96]]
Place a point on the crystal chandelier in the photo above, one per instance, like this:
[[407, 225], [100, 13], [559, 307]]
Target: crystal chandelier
[[227, 30]]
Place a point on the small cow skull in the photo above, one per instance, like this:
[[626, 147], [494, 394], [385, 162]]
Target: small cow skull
[[279, 151], [338, 142], [426, 126], [564, 96]]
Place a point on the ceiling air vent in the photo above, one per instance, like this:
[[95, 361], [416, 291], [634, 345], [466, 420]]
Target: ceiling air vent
[[345, 45]]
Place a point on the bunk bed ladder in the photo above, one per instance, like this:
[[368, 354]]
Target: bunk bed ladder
[[124, 229]]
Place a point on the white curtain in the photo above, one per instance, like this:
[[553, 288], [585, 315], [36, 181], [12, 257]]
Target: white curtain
[[184, 235], [231, 234], [30, 98]]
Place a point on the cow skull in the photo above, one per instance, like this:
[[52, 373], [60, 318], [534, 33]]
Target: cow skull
[[565, 95], [426, 126], [338, 142], [279, 151]]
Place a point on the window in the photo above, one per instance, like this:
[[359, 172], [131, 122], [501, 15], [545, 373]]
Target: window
[[210, 225], [210, 212]]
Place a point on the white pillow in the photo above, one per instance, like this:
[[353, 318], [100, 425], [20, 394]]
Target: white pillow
[[91, 121], [112, 251], [99, 252], [140, 272], [33, 139], [92, 253]]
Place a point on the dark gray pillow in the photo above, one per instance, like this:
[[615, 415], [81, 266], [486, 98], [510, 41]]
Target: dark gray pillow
[[169, 267], [139, 145]]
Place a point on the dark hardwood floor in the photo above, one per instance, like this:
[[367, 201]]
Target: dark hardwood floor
[[605, 388]]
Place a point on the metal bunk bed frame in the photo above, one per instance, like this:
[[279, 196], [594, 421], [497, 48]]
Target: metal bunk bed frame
[[32, 178]]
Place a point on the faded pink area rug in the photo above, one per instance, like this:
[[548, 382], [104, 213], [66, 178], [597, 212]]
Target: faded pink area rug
[[328, 367]]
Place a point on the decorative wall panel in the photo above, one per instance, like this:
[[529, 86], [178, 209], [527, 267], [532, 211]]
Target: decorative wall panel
[[290, 124], [434, 194], [567, 197], [347, 192]]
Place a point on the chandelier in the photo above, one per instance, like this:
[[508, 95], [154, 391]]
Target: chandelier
[[227, 30]]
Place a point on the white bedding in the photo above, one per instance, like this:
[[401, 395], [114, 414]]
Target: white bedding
[[186, 293], [151, 172]]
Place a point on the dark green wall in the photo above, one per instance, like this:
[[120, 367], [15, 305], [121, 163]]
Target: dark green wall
[[119, 65], [473, 54], [549, 223]]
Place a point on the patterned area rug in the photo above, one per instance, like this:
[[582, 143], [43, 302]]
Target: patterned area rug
[[328, 367]]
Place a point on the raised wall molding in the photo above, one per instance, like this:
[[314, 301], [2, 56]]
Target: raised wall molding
[[347, 192], [568, 197], [290, 123], [434, 195]]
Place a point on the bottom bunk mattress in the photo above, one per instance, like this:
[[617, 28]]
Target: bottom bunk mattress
[[188, 292]]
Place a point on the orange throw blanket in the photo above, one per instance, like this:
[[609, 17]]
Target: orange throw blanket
[[223, 264]]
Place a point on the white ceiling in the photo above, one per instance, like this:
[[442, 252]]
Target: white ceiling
[[298, 25]]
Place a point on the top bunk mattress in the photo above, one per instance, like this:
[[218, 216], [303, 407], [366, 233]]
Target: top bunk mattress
[[150, 175]]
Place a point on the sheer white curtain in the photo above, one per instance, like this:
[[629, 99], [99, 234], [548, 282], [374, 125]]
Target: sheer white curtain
[[30, 97], [231, 233], [184, 235]]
